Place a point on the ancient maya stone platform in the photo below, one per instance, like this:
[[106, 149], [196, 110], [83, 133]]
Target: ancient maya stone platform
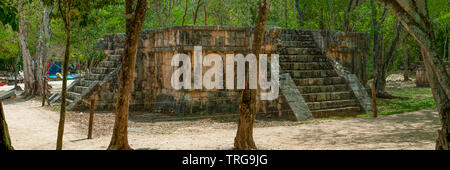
[[321, 72]]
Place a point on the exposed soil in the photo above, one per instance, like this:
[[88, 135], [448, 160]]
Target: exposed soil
[[35, 127]]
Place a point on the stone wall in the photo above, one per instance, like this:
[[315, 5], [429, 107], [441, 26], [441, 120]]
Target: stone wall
[[152, 88], [421, 75], [350, 49]]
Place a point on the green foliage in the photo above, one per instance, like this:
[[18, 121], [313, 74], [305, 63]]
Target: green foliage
[[413, 99], [8, 47], [91, 19], [8, 15]]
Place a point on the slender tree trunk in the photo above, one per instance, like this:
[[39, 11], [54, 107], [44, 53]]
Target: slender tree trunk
[[248, 14], [185, 13], [346, 25], [170, 11], [247, 106], [255, 12], [42, 50], [300, 13], [405, 57], [5, 140], [415, 19], [378, 55], [46, 23], [286, 17], [158, 12], [206, 14], [27, 60], [195, 13], [16, 69], [352, 4], [321, 19], [38, 66], [380, 80], [136, 11], [65, 15], [331, 8]]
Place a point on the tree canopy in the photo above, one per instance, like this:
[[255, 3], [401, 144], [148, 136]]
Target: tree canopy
[[92, 19]]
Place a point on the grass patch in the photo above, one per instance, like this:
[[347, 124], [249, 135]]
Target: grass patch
[[413, 99]]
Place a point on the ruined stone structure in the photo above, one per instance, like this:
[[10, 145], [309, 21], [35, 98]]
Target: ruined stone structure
[[320, 72], [421, 75]]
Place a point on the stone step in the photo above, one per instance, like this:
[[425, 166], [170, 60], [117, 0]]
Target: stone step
[[73, 95], [80, 89], [332, 104], [305, 44], [326, 96], [345, 111], [322, 88], [301, 51], [319, 81], [311, 73], [87, 83], [102, 70], [303, 58], [116, 58], [109, 64], [95, 76], [297, 37], [305, 65], [68, 101], [116, 52]]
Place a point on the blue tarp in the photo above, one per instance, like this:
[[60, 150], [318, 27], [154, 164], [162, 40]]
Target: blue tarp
[[69, 77], [55, 67]]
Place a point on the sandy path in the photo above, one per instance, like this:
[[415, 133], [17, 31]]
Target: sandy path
[[57, 85], [33, 127]]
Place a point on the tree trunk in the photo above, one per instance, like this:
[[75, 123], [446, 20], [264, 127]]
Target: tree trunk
[[346, 25], [331, 8], [286, 14], [134, 22], [195, 13], [248, 14], [352, 4], [380, 80], [16, 70], [415, 19], [65, 15], [321, 19], [405, 58], [5, 140], [185, 13], [46, 22], [206, 14], [247, 106], [38, 56], [255, 12], [378, 55], [27, 60], [158, 12]]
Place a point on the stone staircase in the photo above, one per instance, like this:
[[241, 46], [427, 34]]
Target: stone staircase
[[324, 91], [83, 88]]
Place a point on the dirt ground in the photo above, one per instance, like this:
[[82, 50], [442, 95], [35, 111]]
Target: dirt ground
[[35, 127]]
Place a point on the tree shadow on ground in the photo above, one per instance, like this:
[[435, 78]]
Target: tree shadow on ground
[[144, 117], [416, 128]]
